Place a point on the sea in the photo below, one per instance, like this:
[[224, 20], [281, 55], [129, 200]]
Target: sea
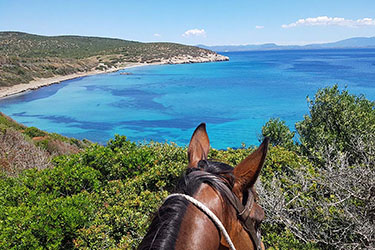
[[165, 103]]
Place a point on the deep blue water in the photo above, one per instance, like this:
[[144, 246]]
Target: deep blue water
[[166, 103]]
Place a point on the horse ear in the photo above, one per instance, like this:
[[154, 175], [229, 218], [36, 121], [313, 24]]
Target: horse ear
[[199, 146], [247, 172]]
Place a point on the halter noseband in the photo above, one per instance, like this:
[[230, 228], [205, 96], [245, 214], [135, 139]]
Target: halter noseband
[[243, 212]]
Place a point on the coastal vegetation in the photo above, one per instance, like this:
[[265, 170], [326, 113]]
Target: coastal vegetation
[[26, 57], [317, 190], [24, 147]]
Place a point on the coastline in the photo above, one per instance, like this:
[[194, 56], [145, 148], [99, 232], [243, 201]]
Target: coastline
[[42, 82]]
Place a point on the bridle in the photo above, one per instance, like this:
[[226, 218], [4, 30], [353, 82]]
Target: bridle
[[243, 214], [242, 211]]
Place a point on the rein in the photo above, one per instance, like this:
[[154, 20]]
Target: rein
[[243, 212]]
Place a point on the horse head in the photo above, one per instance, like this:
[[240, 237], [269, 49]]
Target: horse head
[[215, 206]]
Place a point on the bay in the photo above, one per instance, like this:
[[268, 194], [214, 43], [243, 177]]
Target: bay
[[166, 102]]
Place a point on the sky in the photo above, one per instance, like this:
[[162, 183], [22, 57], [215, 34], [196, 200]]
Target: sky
[[209, 22]]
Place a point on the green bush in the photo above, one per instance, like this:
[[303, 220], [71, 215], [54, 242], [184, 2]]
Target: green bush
[[275, 237], [278, 132], [337, 122], [110, 190], [44, 209], [63, 180], [51, 223]]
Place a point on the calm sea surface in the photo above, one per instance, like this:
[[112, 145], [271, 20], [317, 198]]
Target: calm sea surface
[[165, 103]]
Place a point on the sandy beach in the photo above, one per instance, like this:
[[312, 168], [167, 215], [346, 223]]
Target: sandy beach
[[38, 83]]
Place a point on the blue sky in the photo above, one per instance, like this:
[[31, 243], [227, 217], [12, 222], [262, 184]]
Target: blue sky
[[195, 22]]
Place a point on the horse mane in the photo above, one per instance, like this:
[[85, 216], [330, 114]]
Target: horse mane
[[165, 226]]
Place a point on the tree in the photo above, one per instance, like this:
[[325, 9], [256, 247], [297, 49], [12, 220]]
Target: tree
[[337, 121]]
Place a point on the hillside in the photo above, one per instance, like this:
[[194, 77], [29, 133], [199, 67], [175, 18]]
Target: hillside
[[25, 57], [24, 147]]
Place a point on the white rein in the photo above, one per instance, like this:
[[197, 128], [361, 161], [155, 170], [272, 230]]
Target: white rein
[[210, 214]]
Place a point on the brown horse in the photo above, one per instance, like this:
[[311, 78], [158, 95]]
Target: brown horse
[[226, 191]]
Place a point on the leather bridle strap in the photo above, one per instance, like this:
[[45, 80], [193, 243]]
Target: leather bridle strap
[[210, 214], [243, 214]]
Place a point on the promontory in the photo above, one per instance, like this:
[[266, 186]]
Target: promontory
[[31, 61]]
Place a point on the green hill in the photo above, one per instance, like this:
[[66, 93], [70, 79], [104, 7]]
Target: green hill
[[24, 57]]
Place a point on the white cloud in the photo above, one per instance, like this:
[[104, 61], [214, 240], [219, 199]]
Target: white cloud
[[157, 35], [331, 21], [194, 32], [259, 27]]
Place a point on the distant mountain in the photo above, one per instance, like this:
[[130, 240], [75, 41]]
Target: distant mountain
[[356, 42], [223, 48]]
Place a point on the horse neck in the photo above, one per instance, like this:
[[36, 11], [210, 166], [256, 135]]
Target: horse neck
[[197, 231]]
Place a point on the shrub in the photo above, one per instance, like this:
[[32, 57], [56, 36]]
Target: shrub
[[278, 132], [18, 154], [337, 121], [51, 223], [330, 207], [284, 198], [34, 132], [128, 203], [63, 180]]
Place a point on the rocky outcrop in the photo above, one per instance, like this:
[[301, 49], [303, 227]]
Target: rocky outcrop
[[209, 57]]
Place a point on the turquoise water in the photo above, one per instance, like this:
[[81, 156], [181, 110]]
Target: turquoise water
[[166, 102]]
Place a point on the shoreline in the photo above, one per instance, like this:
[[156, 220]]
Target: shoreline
[[22, 88], [18, 89]]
